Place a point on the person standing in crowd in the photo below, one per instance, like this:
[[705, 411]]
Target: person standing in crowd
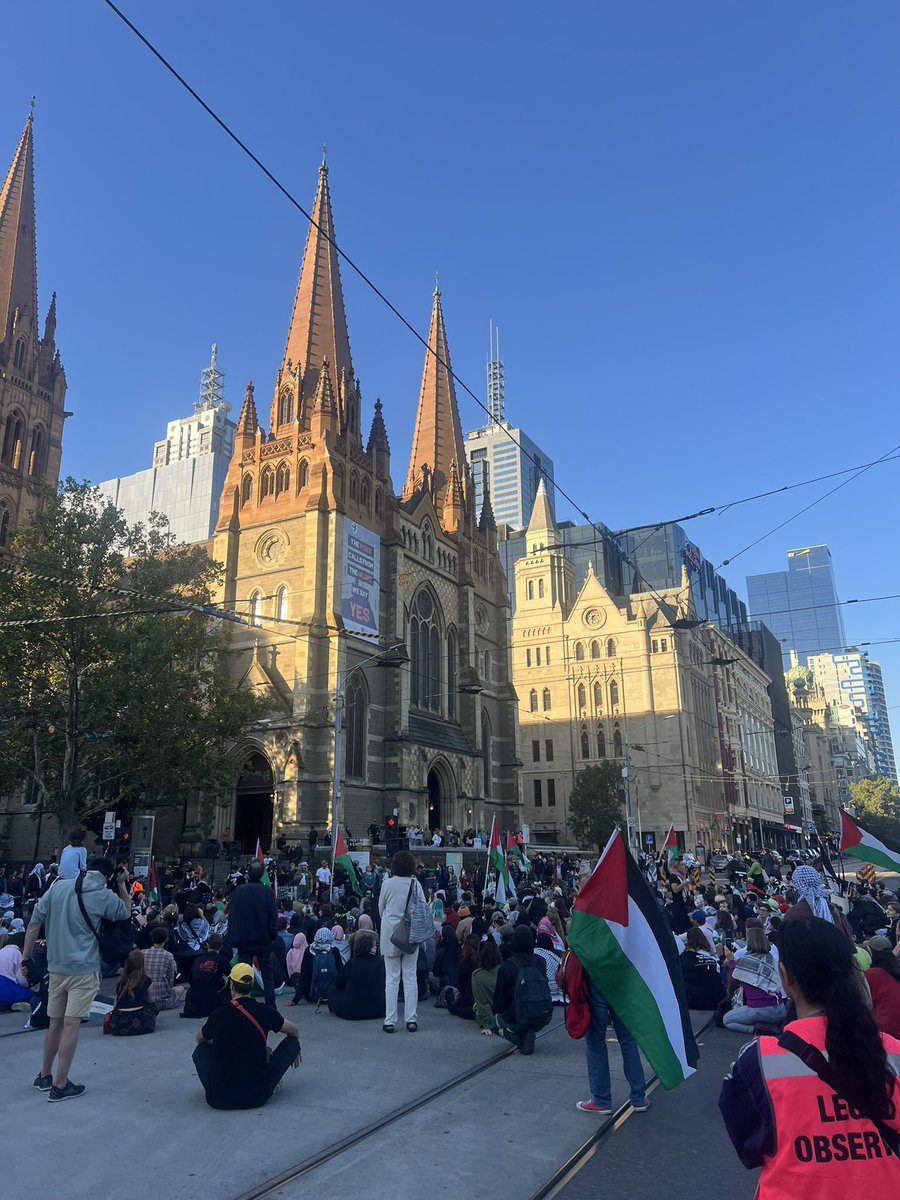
[[73, 859], [392, 901], [232, 1058], [883, 978], [253, 925], [819, 1127], [73, 963], [600, 1101]]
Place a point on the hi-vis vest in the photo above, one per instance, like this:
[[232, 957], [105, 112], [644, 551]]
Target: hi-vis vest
[[824, 1149]]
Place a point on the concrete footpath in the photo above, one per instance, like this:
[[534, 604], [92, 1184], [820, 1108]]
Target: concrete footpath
[[144, 1112]]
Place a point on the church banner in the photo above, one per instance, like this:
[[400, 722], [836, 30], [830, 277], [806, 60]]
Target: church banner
[[360, 579]]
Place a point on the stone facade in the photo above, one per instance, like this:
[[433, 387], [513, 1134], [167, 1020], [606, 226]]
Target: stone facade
[[303, 505], [32, 380]]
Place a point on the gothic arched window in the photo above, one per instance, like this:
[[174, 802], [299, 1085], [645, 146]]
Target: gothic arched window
[[486, 672], [282, 478], [281, 603], [425, 652], [19, 354], [286, 407], [530, 589], [598, 695], [601, 743], [13, 439], [532, 700], [595, 650], [35, 454], [266, 483], [303, 474], [579, 652], [617, 742], [546, 699], [4, 524], [255, 608], [582, 696], [354, 485], [486, 750], [364, 493], [585, 743], [611, 648], [540, 589], [452, 671], [246, 489], [379, 502], [614, 695], [356, 725]]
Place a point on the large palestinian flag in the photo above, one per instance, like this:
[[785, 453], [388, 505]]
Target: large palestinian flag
[[624, 942], [856, 841], [342, 858]]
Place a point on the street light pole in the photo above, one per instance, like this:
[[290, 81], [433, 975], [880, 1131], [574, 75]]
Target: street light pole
[[629, 804]]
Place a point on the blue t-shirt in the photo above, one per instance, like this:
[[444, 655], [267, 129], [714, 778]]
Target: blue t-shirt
[[72, 862]]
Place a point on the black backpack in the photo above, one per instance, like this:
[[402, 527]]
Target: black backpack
[[115, 939], [532, 1005]]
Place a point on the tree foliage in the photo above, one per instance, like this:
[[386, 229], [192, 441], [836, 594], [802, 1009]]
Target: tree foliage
[[877, 804], [595, 805], [118, 693]]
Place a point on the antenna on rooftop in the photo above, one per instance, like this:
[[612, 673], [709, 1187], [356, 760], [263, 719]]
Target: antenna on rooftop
[[212, 386], [496, 384]]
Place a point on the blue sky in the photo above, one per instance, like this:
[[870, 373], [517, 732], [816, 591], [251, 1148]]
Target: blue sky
[[684, 218]]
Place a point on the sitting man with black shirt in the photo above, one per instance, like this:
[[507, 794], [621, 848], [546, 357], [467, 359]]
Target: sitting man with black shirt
[[232, 1057]]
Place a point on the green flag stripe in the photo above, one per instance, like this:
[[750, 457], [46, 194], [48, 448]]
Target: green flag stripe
[[879, 855], [347, 863], [627, 991]]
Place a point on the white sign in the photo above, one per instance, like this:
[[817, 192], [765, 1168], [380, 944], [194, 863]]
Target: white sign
[[109, 827], [360, 579], [526, 834]]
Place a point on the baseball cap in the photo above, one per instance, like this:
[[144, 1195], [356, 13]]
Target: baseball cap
[[241, 973], [879, 944], [699, 916]]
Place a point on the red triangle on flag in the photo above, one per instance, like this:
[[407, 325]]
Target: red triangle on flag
[[340, 846], [671, 840], [851, 834], [606, 892]]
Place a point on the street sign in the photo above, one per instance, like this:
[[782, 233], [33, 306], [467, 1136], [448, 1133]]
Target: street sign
[[631, 822], [109, 826], [648, 838]]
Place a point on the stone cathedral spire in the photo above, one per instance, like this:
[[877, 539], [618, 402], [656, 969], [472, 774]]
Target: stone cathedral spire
[[18, 252]]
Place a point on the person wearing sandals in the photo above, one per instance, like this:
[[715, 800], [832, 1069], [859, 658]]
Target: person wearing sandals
[[391, 906]]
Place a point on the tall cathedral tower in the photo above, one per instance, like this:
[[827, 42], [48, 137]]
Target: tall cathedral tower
[[32, 380], [329, 569]]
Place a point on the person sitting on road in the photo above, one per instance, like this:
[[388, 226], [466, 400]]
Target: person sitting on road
[[504, 1004], [702, 979], [359, 992], [208, 973], [133, 1013], [545, 950], [160, 967], [883, 978], [231, 1056], [14, 989], [460, 1001], [299, 966], [757, 973], [484, 984]]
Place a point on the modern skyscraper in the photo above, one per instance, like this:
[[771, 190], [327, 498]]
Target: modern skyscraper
[[189, 467], [504, 458], [852, 684], [800, 605], [32, 379]]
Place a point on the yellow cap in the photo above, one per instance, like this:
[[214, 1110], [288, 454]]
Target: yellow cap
[[241, 973]]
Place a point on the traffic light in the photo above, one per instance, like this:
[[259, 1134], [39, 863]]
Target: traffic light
[[390, 824]]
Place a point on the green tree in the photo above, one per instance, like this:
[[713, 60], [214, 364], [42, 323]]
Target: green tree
[[595, 805], [877, 804], [115, 687]]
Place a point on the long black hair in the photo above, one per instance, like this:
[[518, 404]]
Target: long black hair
[[820, 958]]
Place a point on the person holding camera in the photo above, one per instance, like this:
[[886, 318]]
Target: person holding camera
[[73, 962]]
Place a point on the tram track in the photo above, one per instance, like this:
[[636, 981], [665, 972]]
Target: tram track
[[333, 1152]]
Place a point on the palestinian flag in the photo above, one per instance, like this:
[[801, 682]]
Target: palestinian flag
[[265, 875], [624, 942], [856, 841], [497, 861], [342, 858], [153, 887], [514, 847], [670, 845]]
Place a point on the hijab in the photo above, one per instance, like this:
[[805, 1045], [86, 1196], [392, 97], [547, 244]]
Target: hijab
[[341, 942], [366, 922], [294, 960], [809, 887]]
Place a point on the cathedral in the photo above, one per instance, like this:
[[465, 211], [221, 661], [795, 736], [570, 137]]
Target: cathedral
[[32, 380], [378, 612]]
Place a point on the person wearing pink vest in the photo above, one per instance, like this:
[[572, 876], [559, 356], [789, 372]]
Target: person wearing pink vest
[[818, 1108]]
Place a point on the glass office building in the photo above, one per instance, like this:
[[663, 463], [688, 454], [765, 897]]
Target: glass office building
[[512, 464], [800, 605], [852, 684]]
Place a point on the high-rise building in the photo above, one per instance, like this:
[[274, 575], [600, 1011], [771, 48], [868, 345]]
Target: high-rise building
[[853, 685], [189, 467], [504, 459], [800, 605], [32, 379]]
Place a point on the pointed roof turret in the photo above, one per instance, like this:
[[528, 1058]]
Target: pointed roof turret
[[542, 531], [487, 523], [318, 328], [378, 438], [50, 322], [248, 422], [324, 400], [18, 253], [437, 435], [453, 513]]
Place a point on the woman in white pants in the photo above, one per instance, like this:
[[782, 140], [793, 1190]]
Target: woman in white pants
[[391, 906]]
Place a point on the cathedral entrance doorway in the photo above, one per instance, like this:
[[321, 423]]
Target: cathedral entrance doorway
[[439, 798], [254, 804]]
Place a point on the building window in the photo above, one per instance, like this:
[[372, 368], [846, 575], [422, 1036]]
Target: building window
[[13, 440], [34, 454], [585, 743], [582, 696], [530, 589], [425, 653], [551, 793], [527, 658], [538, 798], [266, 483], [546, 700], [617, 742], [286, 407], [256, 608], [281, 604], [532, 701], [246, 489], [579, 652], [452, 672], [378, 500], [364, 493], [610, 648], [540, 589], [537, 654], [601, 743], [595, 650], [548, 749], [547, 655], [535, 750], [4, 524], [488, 757], [598, 696], [19, 354], [339, 481], [303, 474], [355, 723], [354, 485], [654, 646], [486, 672], [282, 479], [663, 645], [614, 695]]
